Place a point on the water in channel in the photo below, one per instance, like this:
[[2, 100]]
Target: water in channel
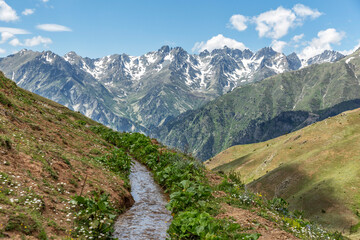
[[147, 218]]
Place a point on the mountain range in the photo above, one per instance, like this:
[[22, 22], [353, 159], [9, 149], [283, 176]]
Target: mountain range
[[142, 93], [267, 109]]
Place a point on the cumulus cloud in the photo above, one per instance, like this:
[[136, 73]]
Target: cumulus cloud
[[304, 11], [7, 14], [218, 41], [239, 22], [297, 38], [276, 23], [28, 11], [31, 42], [6, 36], [45, 1], [8, 33], [278, 45], [322, 42], [2, 51], [348, 52], [15, 42], [37, 41], [53, 28]]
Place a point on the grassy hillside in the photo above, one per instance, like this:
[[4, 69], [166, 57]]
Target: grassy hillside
[[316, 169], [267, 109], [48, 156]]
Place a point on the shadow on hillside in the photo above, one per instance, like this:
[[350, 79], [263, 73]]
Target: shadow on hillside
[[233, 164], [303, 192], [286, 122]]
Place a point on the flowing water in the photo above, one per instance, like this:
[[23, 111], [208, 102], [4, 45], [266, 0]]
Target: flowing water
[[147, 218]]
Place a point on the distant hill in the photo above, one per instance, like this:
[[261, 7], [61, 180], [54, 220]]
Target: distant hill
[[267, 109], [316, 169]]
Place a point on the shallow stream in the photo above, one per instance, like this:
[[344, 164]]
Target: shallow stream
[[147, 218]]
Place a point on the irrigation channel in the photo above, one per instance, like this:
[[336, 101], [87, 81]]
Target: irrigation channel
[[147, 218]]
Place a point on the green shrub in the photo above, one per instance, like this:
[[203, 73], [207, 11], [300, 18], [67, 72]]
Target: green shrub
[[200, 225], [117, 161], [81, 122], [355, 228], [192, 194], [95, 216]]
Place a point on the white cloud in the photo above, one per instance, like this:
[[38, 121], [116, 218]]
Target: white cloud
[[7, 14], [8, 33], [216, 42], [2, 51], [37, 41], [15, 42], [275, 23], [348, 52], [13, 30], [53, 28], [239, 22], [45, 1], [304, 11], [278, 45], [297, 38], [6, 36], [322, 42], [28, 11], [31, 42]]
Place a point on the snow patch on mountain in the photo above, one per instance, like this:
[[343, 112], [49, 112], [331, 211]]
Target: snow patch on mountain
[[349, 59]]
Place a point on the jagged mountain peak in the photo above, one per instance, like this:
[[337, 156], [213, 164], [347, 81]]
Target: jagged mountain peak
[[326, 56], [293, 55], [247, 53], [294, 61], [204, 53], [71, 54], [179, 51], [265, 52], [23, 52], [165, 49]]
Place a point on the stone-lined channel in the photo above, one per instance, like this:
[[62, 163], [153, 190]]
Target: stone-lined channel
[[147, 218]]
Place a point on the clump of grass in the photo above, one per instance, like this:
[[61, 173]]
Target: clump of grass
[[81, 122], [5, 142], [35, 127], [5, 101], [66, 161], [22, 223], [95, 151]]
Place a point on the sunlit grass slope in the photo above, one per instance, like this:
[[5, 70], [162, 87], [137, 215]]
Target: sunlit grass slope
[[316, 169]]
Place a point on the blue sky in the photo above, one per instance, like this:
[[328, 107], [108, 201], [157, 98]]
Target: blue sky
[[97, 28]]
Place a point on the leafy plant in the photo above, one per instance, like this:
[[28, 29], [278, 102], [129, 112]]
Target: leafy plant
[[192, 194], [95, 216], [200, 225], [117, 161]]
